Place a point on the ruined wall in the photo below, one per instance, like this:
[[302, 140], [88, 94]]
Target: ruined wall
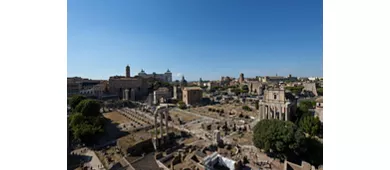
[[117, 86], [311, 87]]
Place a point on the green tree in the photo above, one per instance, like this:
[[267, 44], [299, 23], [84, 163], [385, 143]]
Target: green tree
[[281, 138], [76, 119], [88, 107], [85, 129], [310, 125], [244, 89], [75, 100], [247, 108], [303, 110], [320, 91], [295, 90], [313, 151], [182, 105]]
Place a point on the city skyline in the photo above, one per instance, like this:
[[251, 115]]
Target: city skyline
[[195, 39], [178, 76]]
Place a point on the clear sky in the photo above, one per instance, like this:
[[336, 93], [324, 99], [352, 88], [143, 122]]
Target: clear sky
[[197, 38]]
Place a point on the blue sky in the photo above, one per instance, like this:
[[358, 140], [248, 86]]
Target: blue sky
[[197, 38]]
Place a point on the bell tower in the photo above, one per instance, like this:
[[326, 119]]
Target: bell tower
[[127, 71]]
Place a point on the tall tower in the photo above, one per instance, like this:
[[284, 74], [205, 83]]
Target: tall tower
[[127, 71], [241, 79]]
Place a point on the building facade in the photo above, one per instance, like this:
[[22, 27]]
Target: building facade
[[161, 94], [255, 87], [76, 85], [96, 90], [192, 95], [127, 87], [277, 104], [165, 77]]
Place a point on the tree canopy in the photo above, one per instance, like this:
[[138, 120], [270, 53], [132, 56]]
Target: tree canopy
[[244, 89], [247, 108], [86, 122], [88, 107], [283, 139], [310, 125], [295, 90], [303, 110], [182, 105], [75, 100], [320, 91], [280, 138]]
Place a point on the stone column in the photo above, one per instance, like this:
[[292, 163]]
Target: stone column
[[280, 113], [260, 112], [286, 114], [166, 124], [269, 112], [276, 112], [155, 128], [264, 111], [161, 127]]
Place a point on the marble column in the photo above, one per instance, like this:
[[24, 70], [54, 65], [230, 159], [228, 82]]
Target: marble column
[[286, 114], [155, 128], [274, 112], [263, 112], [280, 112], [166, 124], [161, 128], [268, 112]]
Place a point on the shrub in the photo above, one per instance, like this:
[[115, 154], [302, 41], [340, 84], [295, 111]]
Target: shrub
[[247, 108]]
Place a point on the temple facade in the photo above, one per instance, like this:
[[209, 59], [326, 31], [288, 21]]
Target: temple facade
[[277, 104]]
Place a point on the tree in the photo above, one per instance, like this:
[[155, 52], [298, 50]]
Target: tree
[[280, 138], [313, 151], [310, 125], [88, 107], [182, 105], [303, 110], [320, 91], [75, 100], [244, 89], [85, 129], [247, 108], [295, 90]]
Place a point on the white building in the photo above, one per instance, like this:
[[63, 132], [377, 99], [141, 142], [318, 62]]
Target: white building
[[165, 77]]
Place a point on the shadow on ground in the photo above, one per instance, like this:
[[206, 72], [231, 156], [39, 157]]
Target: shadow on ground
[[111, 132], [75, 161]]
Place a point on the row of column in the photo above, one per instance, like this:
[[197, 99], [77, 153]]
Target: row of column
[[273, 112], [166, 114]]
